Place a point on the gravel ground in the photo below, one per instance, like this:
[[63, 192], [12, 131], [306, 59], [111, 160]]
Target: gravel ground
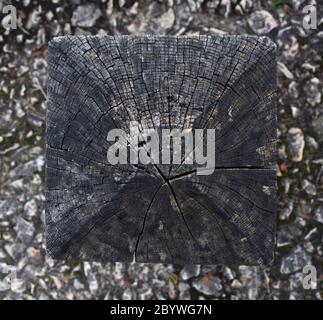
[[299, 162]]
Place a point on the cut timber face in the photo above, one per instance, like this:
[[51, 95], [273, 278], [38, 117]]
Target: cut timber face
[[161, 213]]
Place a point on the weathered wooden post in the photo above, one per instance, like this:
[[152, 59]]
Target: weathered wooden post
[[170, 212]]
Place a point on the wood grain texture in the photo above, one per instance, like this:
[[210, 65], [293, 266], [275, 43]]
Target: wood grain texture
[[161, 213]]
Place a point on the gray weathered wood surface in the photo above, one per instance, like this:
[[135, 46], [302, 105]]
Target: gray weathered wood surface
[[96, 211]]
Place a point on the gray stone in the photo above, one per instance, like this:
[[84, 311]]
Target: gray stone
[[34, 18], [92, 281], [184, 291], [298, 3], [286, 210], [318, 214], [166, 20], [25, 230], [85, 16], [208, 285], [225, 7], [262, 22], [190, 271], [30, 208], [293, 89], [312, 91], [295, 260], [8, 208], [213, 4], [195, 5], [296, 112], [296, 281], [318, 126], [243, 6], [296, 144], [312, 144], [309, 187], [250, 279], [284, 70]]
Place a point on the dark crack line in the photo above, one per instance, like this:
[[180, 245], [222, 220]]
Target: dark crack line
[[176, 200], [180, 210], [240, 168], [192, 172], [144, 222], [181, 175]]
